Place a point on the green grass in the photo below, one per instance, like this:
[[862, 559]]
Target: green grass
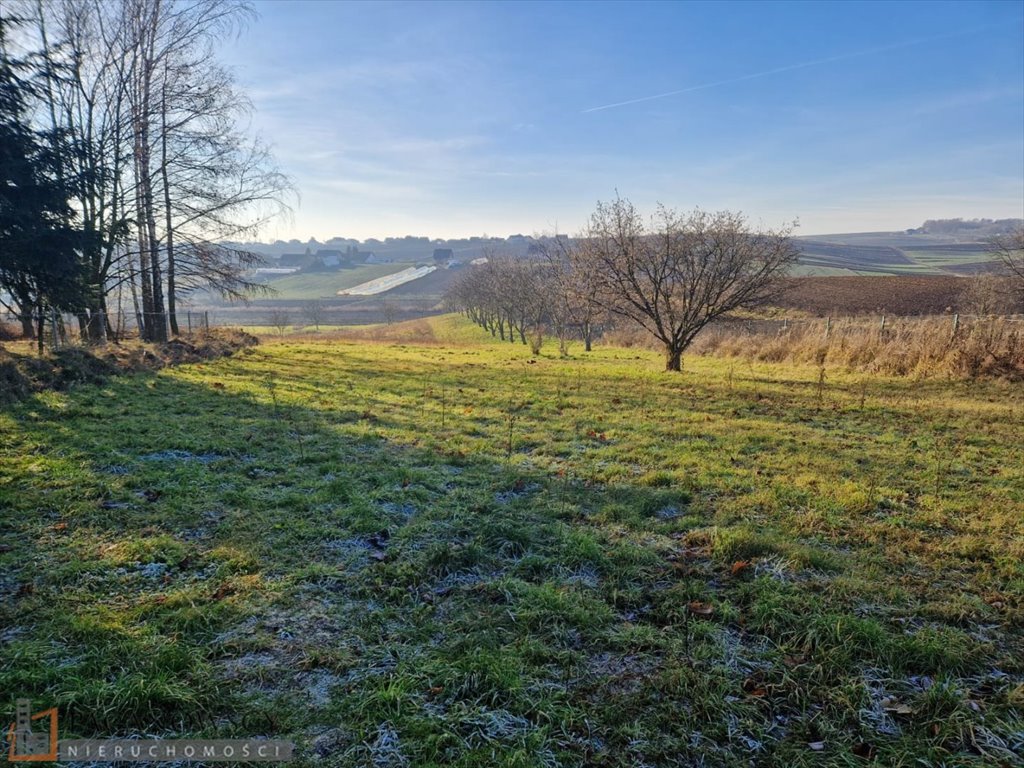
[[941, 259], [319, 285], [299, 327], [453, 554]]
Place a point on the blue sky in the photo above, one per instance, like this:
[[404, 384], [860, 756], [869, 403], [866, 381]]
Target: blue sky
[[454, 119]]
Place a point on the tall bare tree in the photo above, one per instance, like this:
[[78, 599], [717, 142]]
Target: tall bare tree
[[679, 272], [1009, 250], [217, 183], [84, 110], [148, 123]]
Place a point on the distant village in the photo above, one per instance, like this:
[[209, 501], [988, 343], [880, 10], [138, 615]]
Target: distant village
[[284, 257]]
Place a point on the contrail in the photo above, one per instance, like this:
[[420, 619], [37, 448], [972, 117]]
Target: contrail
[[787, 68]]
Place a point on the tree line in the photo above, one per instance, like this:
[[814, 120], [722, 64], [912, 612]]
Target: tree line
[[124, 161], [671, 274]]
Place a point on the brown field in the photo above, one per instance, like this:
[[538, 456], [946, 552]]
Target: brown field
[[893, 295]]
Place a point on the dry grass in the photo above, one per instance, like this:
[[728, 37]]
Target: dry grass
[[9, 332], [23, 372], [907, 347]]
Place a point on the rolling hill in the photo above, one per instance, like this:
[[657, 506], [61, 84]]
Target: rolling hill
[[890, 253]]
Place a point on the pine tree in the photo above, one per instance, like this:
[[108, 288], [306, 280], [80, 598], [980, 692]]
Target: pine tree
[[39, 264]]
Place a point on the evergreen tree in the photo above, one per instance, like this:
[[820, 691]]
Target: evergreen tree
[[39, 264]]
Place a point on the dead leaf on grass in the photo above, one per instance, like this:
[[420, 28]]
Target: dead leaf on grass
[[697, 608], [740, 567]]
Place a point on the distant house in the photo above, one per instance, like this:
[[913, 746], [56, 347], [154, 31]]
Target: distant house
[[354, 256], [442, 255], [330, 258], [373, 258]]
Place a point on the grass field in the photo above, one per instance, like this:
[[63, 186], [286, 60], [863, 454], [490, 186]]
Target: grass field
[[939, 258], [453, 554], [319, 285]]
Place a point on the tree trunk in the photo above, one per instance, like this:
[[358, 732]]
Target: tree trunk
[[172, 309], [101, 322], [145, 279], [673, 358], [28, 329], [587, 334], [160, 319], [149, 247], [25, 301], [83, 326], [171, 287], [41, 329], [140, 321], [536, 341]]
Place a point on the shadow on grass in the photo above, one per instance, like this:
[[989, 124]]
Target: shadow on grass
[[209, 559]]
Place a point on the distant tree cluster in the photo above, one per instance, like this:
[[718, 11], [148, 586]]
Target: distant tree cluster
[[671, 274], [511, 298], [124, 155], [971, 227]]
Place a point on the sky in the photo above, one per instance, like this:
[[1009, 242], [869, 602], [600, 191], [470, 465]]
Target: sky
[[458, 119]]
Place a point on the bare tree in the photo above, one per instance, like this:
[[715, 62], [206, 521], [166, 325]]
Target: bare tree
[[314, 311], [511, 298], [280, 319], [148, 128], [682, 271], [1009, 250], [217, 184], [524, 291], [577, 283], [989, 293], [81, 49]]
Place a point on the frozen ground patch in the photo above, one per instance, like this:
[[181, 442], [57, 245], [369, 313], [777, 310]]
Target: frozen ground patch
[[174, 455]]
